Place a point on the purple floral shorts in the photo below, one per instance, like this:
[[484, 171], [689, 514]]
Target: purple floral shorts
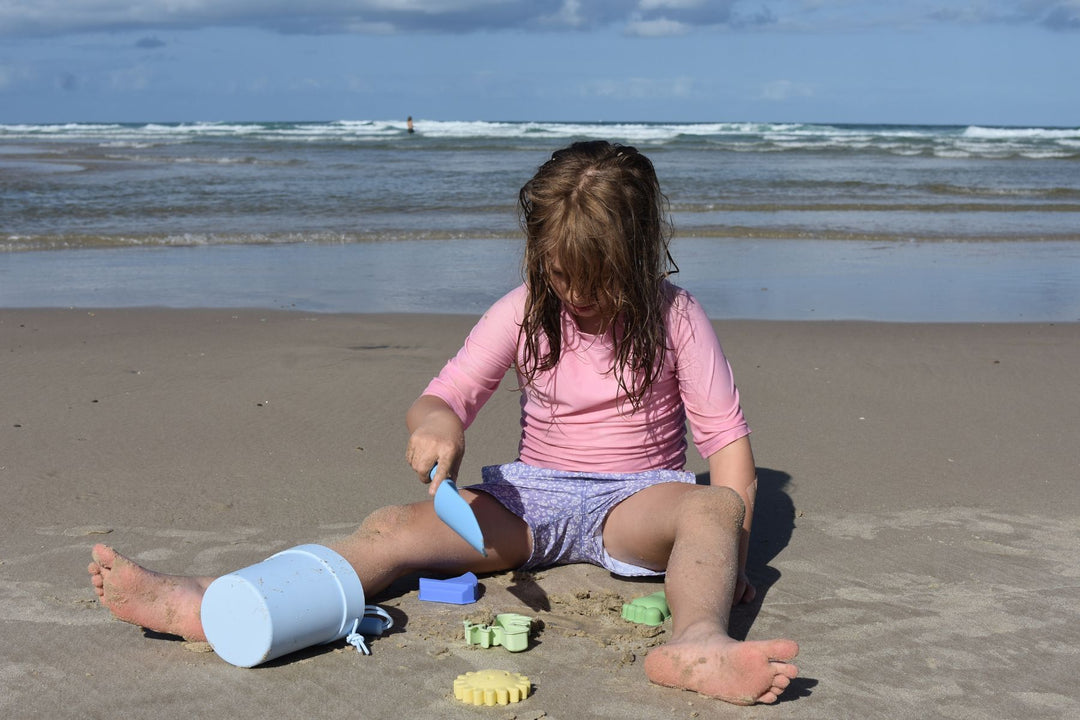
[[566, 510]]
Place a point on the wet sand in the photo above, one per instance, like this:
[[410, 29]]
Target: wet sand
[[916, 528]]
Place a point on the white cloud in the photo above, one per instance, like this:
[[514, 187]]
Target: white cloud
[[53, 17], [369, 28], [639, 17], [657, 28], [569, 14], [661, 4], [1063, 16]]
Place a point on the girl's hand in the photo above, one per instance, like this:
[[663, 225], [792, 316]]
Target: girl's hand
[[437, 438], [429, 448], [745, 592]]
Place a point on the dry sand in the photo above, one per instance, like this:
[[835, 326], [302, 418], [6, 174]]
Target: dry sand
[[917, 530]]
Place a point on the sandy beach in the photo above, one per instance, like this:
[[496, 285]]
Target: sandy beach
[[916, 530]]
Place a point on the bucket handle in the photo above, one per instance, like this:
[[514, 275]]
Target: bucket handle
[[375, 622]]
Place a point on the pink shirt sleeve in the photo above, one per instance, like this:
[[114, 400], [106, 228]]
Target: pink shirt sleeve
[[471, 377], [706, 383]]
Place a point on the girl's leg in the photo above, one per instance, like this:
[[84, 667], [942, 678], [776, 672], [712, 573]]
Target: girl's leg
[[397, 540], [391, 542], [693, 532]]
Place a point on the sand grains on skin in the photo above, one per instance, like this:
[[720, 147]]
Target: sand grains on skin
[[156, 601], [743, 673]]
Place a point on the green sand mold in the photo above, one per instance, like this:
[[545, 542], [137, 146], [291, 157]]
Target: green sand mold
[[648, 610], [510, 631]]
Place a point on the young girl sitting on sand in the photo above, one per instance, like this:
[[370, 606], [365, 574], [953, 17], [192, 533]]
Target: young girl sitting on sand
[[612, 360]]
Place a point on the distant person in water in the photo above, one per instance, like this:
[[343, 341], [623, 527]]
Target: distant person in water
[[611, 360], [408, 123]]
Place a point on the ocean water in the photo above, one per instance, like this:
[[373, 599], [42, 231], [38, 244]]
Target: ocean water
[[773, 221]]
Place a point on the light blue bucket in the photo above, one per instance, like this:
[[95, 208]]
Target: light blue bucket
[[306, 595]]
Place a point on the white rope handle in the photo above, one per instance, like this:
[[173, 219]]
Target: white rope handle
[[376, 622]]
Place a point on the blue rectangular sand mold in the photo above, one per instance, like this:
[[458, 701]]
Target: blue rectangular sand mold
[[457, 591]]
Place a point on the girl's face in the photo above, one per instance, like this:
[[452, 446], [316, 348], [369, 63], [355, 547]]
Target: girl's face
[[586, 310]]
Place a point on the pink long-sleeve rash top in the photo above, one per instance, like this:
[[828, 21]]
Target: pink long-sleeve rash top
[[575, 416]]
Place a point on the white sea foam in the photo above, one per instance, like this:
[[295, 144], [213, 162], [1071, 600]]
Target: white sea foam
[[952, 153], [994, 133], [1045, 155], [120, 144], [975, 140]]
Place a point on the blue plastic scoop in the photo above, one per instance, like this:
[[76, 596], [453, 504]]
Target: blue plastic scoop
[[455, 512]]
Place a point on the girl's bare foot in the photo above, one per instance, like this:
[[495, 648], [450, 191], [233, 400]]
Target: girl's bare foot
[[163, 603], [743, 673]]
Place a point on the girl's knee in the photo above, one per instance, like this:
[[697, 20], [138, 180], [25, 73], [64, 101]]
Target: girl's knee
[[716, 503], [388, 520]]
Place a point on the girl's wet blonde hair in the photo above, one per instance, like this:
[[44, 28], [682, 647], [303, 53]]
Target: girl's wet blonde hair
[[596, 210]]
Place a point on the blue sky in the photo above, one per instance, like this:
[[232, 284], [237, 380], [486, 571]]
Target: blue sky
[[1002, 62]]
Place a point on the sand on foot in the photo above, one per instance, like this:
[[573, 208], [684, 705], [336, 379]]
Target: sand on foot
[[156, 601], [737, 672]]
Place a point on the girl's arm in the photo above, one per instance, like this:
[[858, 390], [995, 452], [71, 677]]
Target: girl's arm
[[436, 435], [732, 466], [438, 418]]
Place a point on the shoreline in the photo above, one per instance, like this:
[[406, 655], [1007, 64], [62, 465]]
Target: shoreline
[[783, 280], [917, 511], [458, 316]]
